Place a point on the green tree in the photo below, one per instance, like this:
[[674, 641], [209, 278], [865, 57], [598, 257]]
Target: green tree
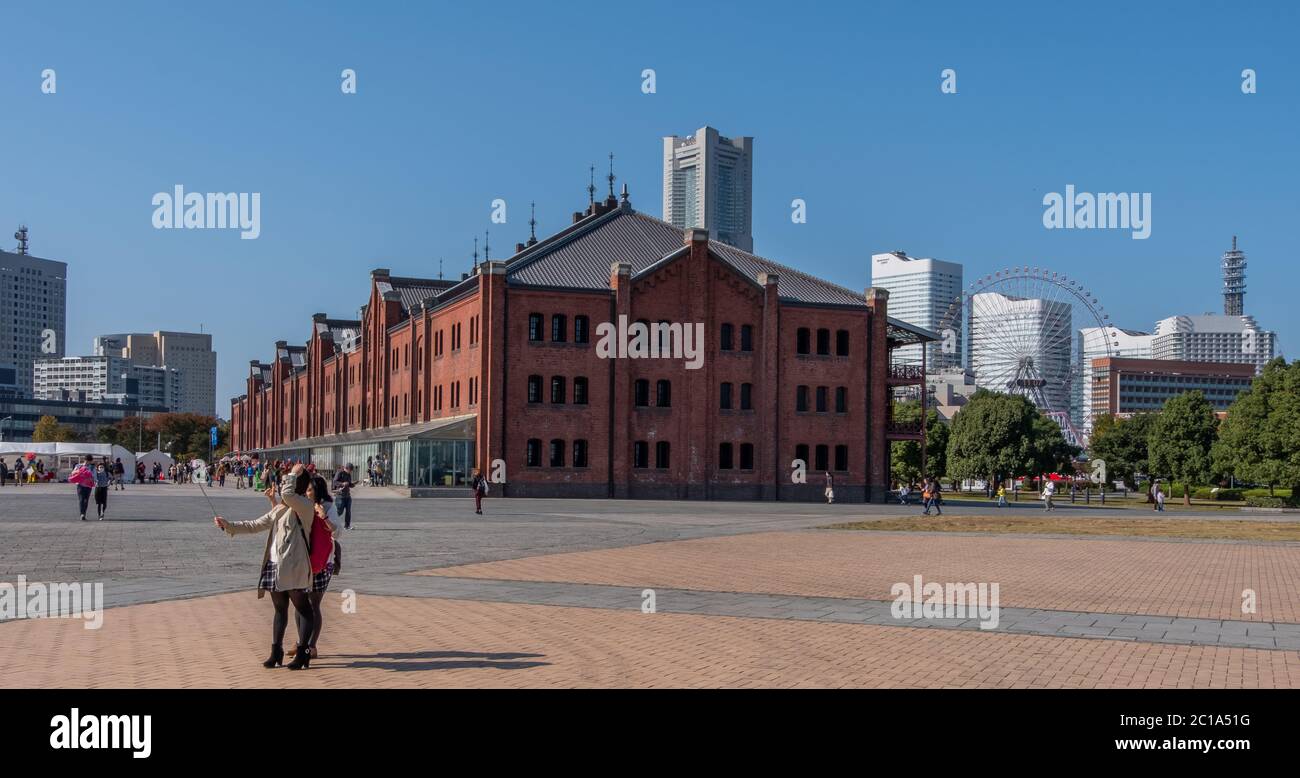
[[905, 455], [999, 435], [1259, 441], [1122, 444], [1181, 439], [183, 435]]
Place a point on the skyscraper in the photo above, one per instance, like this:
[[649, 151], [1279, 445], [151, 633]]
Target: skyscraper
[[189, 352], [33, 315], [923, 292], [708, 182]]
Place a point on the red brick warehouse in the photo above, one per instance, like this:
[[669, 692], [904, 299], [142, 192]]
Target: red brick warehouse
[[503, 367]]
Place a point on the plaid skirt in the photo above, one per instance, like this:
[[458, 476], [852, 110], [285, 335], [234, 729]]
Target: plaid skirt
[[321, 581], [267, 581]]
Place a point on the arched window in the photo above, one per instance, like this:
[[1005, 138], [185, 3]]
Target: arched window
[[726, 337], [746, 456], [534, 328], [534, 453], [802, 341], [747, 337], [559, 325], [557, 453], [841, 343], [801, 398], [821, 399], [581, 329], [534, 388], [841, 458], [820, 464], [641, 393], [640, 455], [579, 453], [664, 393], [725, 397], [841, 399], [557, 389], [746, 397], [580, 391], [724, 456], [801, 453], [661, 455], [824, 342]]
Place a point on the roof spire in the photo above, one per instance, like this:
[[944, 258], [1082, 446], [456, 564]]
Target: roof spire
[[532, 223], [591, 187], [439, 268], [611, 175], [485, 245], [476, 252]]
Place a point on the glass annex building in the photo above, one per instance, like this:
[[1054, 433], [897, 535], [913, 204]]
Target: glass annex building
[[434, 454]]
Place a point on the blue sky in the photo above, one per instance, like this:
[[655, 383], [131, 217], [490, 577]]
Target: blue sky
[[461, 103]]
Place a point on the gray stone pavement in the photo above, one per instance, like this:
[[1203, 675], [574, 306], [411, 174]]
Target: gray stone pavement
[[159, 544]]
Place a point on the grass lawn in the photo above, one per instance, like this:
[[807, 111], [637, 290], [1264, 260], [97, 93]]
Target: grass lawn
[[1218, 529]]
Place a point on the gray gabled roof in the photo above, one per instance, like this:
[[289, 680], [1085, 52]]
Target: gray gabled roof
[[414, 291], [581, 258]]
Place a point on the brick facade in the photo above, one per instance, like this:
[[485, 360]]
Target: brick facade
[[493, 345]]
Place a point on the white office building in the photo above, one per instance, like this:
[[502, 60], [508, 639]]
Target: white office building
[[709, 183], [1022, 346], [107, 379], [1094, 343], [33, 316], [190, 353], [923, 292], [1213, 337]]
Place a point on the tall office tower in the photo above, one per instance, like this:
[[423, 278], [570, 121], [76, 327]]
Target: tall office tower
[[1092, 344], [1234, 281], [33, 315], [1023, 348], [189, 352], [1213, 338], [922, 292], [709, 183]]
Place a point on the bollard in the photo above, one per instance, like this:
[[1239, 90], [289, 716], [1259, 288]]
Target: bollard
[[1087, 496]]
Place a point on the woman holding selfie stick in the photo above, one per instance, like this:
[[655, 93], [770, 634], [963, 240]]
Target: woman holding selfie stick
[[286, 562]]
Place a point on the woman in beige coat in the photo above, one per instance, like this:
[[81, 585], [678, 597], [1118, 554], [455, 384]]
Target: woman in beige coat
[[286, 562]]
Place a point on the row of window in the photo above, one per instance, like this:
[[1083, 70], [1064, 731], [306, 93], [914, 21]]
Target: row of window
[[821, 456], [841, 399], [555, 453], [558, 393], [560, 328], [803, 342]]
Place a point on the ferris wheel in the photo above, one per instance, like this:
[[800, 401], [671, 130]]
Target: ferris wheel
[[1023, 327]]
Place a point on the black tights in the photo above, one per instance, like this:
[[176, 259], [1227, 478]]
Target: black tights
[[303, 609], [313, 626]]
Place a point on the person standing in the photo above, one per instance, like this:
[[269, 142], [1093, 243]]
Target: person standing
[[1160, 497], [102, 481], [829, 491], [4, 473], [84, 479], [286, 563], [326, 518], [479, 485], [1002, 496], [1049, 491], [343, 495], [119, 475]]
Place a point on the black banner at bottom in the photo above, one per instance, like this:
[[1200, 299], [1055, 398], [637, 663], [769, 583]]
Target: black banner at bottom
[[211, 728]]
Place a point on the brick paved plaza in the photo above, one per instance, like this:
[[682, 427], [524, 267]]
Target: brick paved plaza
[[549, 593]]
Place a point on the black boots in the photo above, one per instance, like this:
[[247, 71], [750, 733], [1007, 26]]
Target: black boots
[[277, 656], [302, 659]]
